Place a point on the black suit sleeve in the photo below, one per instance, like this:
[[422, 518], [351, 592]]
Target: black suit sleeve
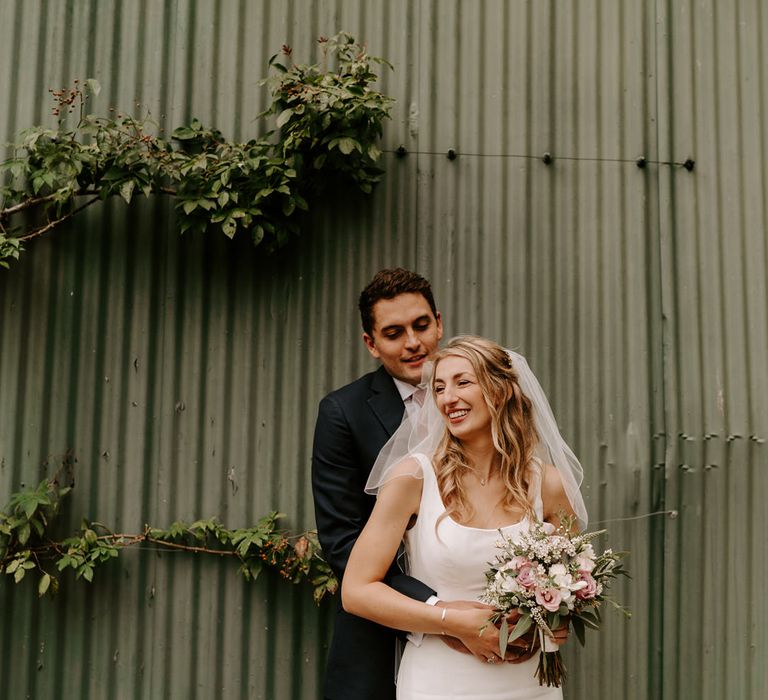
[[341, 505], [340, 502]]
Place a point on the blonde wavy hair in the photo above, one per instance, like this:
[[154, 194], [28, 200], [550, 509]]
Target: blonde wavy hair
[[512, 429]]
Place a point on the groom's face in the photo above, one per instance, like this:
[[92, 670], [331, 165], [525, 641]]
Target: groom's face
[[405, 332]]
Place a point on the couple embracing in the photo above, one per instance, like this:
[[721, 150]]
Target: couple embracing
[[431, 455]]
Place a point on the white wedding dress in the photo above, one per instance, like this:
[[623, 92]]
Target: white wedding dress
[[454, 565]]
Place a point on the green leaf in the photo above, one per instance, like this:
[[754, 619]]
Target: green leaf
[[39, 529], [30, 507], [258, 235], [229, 227], [503, 637], [126, 190], [578, 628], [19, 574], [589, 622], [45, 582], [346, 145], [522, 626], [319, 162], [301, 203], [285, 115], [93, 86], [10, 568], [24, 533], [189, 206], [255, 567]]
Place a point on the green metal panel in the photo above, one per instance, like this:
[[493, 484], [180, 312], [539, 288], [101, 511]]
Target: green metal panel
[[184, 372], [714, 267]]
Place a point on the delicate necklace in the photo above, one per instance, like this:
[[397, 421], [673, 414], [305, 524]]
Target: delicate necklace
[[483, 481]]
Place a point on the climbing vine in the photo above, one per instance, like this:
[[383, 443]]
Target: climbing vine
[[27, 549], [328, 120]]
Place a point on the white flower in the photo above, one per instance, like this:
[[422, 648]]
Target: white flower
[[557, 570]]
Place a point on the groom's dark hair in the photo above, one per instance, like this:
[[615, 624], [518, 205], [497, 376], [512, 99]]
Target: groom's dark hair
[[387, 284]]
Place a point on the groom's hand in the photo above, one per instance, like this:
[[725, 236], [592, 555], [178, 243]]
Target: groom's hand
[[524, 647], [453, 642]]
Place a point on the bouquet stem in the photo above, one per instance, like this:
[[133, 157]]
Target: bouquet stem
[[551, 670]]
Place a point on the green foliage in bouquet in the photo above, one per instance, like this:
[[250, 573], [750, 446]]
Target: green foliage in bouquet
[[328, 121], [26, 547]]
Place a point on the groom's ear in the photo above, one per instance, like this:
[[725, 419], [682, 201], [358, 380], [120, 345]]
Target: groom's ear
[[371, 345], [439, 322]]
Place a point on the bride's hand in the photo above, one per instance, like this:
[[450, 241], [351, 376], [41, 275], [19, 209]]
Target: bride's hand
[[453, 642], [473, 627]]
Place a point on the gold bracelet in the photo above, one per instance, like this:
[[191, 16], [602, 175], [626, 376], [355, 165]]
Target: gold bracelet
[[442, 620]]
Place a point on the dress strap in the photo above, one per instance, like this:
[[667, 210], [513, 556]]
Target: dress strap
[[426, 464]]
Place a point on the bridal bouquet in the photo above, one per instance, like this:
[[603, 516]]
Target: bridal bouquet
[[552, 578]]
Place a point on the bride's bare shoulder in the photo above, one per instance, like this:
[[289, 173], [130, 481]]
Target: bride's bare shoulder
[[405, 476]]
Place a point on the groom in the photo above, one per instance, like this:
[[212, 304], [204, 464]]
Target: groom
[[401, 327]]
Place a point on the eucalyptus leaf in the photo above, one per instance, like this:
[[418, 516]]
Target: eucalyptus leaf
[[578, 628], [522, 626], [503, 637]]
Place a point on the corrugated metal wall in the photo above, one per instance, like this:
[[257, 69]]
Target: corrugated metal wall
[[184, 373], [712, 231]]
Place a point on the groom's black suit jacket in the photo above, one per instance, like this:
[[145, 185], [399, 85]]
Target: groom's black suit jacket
[[353, 424]]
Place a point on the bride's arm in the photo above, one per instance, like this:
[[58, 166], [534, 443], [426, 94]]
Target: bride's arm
[[363, 592], [553, 496]]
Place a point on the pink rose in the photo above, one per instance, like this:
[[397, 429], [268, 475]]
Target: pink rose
[[590, 590], [526, 578], [549, 598], [518, 563]]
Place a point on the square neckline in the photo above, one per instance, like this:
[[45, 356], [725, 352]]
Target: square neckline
[[422, 459]]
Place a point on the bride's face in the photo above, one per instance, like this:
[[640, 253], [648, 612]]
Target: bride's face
[[460, 399]]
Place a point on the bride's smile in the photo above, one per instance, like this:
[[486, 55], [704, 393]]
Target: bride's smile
[[460, 398]]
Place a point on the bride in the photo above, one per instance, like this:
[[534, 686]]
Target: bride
[[483, 454]]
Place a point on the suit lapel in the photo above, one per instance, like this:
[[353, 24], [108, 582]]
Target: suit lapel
[[385, 401]]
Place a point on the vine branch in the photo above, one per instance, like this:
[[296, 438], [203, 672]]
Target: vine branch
[[327, 121], [52, 224], [26, 548]]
